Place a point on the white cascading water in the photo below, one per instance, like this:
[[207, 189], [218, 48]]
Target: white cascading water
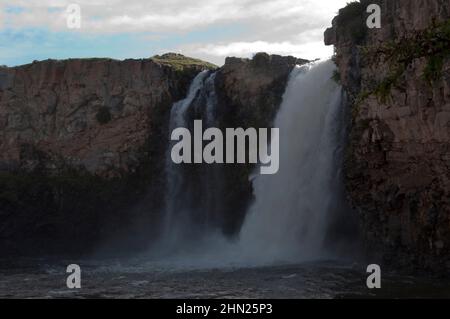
[[176, 217], [292, 209]]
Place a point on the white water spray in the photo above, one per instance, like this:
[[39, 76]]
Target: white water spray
[[176, 215], [289, 218]]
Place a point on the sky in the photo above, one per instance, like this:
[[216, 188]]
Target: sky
[[207, 29]]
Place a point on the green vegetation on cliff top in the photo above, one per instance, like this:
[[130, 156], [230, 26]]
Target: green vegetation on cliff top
[[179, 61]]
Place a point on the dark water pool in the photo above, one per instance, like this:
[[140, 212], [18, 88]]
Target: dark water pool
[[46, 278]]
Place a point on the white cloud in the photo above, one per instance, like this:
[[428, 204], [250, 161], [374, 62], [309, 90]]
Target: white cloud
[[2, 18], [103, 16], [277, 26], [249, 48]]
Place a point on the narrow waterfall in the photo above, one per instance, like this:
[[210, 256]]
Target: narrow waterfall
[[293, 208], [191, 190], [177, 215], [211, 100]]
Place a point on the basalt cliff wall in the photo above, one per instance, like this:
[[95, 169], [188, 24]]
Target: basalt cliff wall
[[83, 145], [397, 166]]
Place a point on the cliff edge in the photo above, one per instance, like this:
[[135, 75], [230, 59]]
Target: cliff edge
[[397, 166]]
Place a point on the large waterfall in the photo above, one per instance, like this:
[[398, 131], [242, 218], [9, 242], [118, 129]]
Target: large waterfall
[[293, 209]]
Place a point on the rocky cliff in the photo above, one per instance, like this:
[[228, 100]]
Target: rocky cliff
[[398, 158], [83, 144], [95, 114]]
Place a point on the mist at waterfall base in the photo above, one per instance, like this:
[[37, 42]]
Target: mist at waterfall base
[[293, 212]]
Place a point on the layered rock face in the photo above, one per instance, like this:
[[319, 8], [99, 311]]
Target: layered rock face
[[398, 159], [95, 114], [83, 144], [251, 90]]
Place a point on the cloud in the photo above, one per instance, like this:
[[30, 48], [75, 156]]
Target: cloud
[[200, 28], [310, 50], [101, 16]]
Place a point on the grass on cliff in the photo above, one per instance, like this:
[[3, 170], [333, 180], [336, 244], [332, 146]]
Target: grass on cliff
[[180, 62]]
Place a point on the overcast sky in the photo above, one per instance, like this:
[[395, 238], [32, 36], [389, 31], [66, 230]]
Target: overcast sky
[[207, 29]]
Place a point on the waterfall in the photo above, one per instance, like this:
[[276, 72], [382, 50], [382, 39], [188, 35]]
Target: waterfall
[[211, 100], [177, 217], [212, 174], [292, 210], [188, 219]]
